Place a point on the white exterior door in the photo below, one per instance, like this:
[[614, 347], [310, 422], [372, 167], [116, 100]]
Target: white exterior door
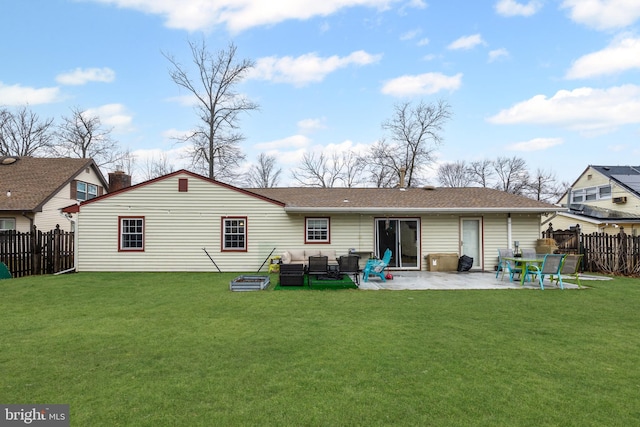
[[471, 240]]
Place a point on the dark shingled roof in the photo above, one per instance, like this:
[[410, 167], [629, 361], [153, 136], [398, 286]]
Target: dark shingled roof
[[410, 199], [34, 180], [626, 176]]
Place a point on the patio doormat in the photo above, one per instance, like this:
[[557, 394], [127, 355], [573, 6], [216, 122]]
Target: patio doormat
[[317, 284]]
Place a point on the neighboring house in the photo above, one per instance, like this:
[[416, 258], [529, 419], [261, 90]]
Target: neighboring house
[[33, 190], [165, 224], [602, 199]]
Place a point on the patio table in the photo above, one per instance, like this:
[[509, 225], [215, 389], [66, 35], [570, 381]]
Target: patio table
[[524, 263]]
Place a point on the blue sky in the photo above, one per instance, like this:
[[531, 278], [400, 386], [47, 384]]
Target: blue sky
[[556, 82]]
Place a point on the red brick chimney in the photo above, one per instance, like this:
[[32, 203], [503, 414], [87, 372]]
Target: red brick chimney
[[118, 180]]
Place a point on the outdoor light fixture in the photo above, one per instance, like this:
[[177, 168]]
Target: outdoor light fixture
[[8, 193]]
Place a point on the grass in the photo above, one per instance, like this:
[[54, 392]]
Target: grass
[[182, 350]]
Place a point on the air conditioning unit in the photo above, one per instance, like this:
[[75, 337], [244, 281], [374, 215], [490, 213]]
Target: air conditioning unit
[[619, 200]]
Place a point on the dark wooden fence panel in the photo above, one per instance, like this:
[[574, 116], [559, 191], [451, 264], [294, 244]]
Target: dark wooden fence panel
[[36, 252], [603, 253]]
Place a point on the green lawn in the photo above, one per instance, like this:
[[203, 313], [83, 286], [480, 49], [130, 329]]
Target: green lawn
[[176, 349]]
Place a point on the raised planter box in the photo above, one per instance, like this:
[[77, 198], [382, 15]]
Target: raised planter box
[[249, 283]]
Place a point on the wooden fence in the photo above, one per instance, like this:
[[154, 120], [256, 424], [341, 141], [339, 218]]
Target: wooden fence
[[36, 252], [603, 253]]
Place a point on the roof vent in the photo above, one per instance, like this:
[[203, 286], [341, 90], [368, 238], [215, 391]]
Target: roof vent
[[428, 187]]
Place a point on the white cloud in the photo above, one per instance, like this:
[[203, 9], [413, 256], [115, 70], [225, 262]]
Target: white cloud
[[307, 126], [584, 109], [307, 68], [467, 42], [603, 14], [423, 42], [536, 144], [412, 34], [496, 54], [240, 15], [81, 76], [421, 84], [513, 8], [114, 115], [20, 95], [173, 134], [295, 141], [185, 100], [618, 148], [621, 55]]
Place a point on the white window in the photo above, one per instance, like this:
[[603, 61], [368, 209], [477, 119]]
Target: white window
[[591, 194], [86, 191], [131, 234], [604, 192], [7, 224], [234, 234], [317, 230]]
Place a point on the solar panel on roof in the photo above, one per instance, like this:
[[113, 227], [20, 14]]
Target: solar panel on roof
[[632, 181]]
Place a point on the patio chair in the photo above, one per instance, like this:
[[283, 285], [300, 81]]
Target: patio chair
[[317, 266], [528, 253], [349, 264], [550, 267], [503, 253], [377, 266], [570, 267]]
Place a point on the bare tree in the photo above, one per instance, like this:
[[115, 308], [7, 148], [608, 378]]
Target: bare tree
[[481, 172], [216, 139], [353, 170], [317, 171], [544, 186], [263, 174], [454, 174], [415, 133], [82, 135], [154, 167], [23, 133], [512, 174], [345, 169]]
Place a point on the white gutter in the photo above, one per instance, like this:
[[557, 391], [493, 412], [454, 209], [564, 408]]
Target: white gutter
[[395, 210]]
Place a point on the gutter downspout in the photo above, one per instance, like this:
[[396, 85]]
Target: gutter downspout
[[509, 237], [75, 245]]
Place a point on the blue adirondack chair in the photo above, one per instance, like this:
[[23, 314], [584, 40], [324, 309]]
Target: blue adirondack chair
[[377, 266]]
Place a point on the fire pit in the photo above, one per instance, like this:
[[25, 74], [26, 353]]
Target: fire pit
[[249, 283]]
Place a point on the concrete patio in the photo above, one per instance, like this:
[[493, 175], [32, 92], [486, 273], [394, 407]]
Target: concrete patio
[[422, 280]]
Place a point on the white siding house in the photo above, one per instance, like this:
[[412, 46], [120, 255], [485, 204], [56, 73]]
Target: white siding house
[[167, 223]]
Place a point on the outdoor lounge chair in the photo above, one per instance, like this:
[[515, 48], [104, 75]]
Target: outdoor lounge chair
[[349, 264], [317, 266], [570, 267], [377, 266], [550, 267]]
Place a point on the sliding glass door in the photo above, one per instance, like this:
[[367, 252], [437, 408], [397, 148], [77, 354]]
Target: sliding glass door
[[402, 237]]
